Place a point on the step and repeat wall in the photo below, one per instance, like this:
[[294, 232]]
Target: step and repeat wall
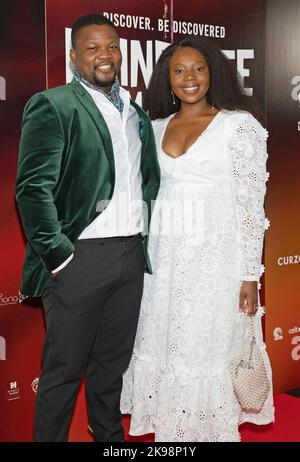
[[34, 49], [282, 244], [22, 73]]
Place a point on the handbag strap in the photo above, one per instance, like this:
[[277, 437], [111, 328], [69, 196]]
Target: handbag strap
[[249, 339]]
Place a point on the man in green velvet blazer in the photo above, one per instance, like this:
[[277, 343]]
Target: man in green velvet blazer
[[91, 287]]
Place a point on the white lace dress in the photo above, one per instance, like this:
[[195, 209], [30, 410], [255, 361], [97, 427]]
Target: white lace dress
[[206, 237]]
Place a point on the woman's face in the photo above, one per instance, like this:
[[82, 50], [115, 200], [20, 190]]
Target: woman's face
[[189, 75]]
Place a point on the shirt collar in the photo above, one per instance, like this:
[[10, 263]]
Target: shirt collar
[[113, 95]]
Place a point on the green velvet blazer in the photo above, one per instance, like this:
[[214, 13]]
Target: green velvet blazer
[[65, 168]]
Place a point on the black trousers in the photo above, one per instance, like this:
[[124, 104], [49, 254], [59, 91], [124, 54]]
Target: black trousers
[[91, 311]]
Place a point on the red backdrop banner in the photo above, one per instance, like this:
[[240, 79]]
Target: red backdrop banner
[[282, 255], [22, 73]]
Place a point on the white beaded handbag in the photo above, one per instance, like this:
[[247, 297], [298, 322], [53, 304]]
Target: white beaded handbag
[[248, 372]]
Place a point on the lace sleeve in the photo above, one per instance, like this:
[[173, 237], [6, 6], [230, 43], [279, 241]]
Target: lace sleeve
[[248, 154]]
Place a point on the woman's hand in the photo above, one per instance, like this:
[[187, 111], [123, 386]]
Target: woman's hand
[[248, 298]]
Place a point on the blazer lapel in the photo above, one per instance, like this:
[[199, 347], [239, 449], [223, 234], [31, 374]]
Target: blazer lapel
[[88, 104]]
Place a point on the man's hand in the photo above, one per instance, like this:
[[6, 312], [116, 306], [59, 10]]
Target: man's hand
[[249, 297]]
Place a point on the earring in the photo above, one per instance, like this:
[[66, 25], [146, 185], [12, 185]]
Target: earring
[[173, 96], [212, 106]]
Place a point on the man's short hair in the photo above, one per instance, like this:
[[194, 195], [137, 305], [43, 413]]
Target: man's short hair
[[89, 20]]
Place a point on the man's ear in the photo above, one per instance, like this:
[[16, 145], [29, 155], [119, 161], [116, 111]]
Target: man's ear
[[73, 55]]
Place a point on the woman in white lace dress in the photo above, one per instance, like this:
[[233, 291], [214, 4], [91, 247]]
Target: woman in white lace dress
[[205, 246]]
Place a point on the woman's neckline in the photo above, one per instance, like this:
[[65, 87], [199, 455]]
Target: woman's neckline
[[168, 120]]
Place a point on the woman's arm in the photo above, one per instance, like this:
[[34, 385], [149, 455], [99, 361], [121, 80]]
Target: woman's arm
[[248, 153]]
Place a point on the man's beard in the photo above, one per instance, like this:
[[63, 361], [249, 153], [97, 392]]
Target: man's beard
[[104, 83]]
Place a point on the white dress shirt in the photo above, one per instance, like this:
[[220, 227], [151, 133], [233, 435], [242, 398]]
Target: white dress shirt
[[123, 214]]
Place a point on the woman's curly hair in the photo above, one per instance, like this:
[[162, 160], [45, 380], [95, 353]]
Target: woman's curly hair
[[225, 91]]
